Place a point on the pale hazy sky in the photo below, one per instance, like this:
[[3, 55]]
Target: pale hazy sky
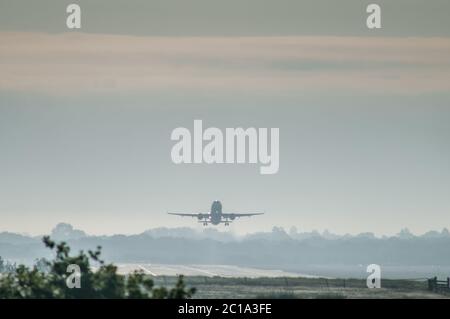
[[86, 117]]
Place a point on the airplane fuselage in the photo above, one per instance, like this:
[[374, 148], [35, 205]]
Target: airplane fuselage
[[216, 212]]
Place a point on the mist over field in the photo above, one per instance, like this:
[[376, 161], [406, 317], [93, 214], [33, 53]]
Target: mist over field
[[321, 254]]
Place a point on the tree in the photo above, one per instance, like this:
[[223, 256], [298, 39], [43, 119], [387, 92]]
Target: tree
[[103, 282]]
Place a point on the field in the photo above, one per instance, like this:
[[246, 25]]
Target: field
[[226, 281], [302, 288], [226, 271]]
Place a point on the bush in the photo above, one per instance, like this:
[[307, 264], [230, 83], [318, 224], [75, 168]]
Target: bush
[[48, 279]]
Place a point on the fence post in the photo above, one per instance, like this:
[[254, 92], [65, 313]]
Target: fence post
[[432, 284]]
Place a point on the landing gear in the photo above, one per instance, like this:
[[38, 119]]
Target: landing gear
[[205, 224], [227, 224]]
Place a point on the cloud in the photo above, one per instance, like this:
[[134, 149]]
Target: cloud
[[75, 63]]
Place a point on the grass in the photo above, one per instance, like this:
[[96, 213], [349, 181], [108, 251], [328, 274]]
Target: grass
[[277, 295], [301, 288]]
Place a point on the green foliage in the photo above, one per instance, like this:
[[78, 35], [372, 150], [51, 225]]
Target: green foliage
[[48, 279]]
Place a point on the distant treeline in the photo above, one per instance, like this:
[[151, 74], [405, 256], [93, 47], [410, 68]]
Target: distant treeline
[[276, 249]]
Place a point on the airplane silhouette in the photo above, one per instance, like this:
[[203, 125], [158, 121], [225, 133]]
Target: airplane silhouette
[[215, 216]]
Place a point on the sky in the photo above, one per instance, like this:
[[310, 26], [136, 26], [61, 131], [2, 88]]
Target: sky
[[86, 116]]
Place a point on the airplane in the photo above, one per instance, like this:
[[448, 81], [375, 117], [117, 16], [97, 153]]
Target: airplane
[[215, 216]]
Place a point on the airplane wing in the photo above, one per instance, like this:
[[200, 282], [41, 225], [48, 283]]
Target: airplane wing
[[189, 214], [235, 215]]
